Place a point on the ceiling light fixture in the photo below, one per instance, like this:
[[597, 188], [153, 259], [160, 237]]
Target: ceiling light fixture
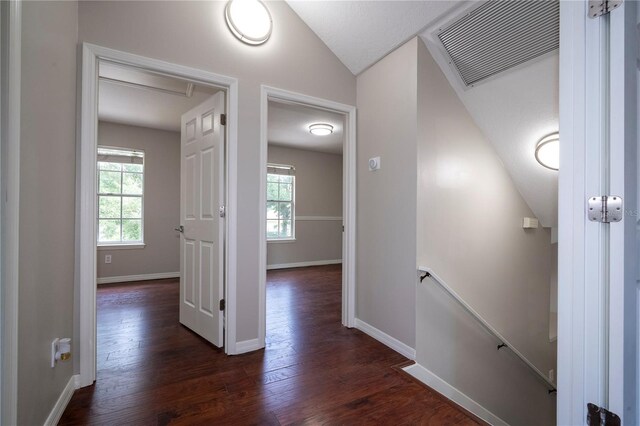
[[548, 151], [249, 20], [321, 129]]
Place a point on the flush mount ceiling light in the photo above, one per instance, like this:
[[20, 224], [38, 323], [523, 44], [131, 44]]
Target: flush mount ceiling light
[[321, 129], [249, 20], [548, 151]]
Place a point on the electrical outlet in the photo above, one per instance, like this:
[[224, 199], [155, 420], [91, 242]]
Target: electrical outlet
[[107, 258]]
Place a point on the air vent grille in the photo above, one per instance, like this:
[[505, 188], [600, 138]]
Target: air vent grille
[[501, 34]]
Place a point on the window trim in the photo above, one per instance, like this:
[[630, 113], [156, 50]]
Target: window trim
[[292, 238], [120, 244]]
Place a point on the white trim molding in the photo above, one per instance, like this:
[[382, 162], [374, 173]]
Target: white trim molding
[[11, 28], [304, 264], [384, 338], [141, 277], [247, 346], [86, 243], [453, 394], [63, 401], [348, 195], [582, 286], [122, 247]]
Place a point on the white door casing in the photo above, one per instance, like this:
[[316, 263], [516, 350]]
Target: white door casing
[[201, 198], [10, 38], [597, 301], [624, 41], [348, 199], [85, 302]]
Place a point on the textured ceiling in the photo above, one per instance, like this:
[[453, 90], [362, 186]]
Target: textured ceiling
[[362, 32], [289, 127]]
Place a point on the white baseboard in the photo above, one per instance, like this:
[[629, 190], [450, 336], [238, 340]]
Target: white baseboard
[[383, 337], [63, 400], [304, 264], [141, 277], [449, 392], [247, 346]]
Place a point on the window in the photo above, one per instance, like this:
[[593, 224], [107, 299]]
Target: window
[[280, 202], [120, 196]]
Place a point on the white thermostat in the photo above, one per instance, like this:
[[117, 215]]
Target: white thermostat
[[374, 163]]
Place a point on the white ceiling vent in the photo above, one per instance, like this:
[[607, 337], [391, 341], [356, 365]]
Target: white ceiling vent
[[500, 35]]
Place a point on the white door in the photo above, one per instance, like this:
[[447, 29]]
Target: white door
[[201, 200]]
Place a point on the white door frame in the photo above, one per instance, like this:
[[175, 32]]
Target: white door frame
[[580, 278], [623, 314], [268, 93], [86, 243], [589, 280], [11, 30]]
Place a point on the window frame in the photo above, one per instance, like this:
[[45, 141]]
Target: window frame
[[120, 243], [292, 238]]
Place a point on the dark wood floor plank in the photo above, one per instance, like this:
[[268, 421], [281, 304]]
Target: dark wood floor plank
[[151, 370]]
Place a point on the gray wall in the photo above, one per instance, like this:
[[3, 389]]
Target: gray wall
[[161, 201], [47, 199], [195, 34], [470, 233], [386, 198], [318, 193]]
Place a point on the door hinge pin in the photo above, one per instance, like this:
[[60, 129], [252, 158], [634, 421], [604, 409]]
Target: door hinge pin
[[605, 208], [223, 119], [602, 7], [222, 305]]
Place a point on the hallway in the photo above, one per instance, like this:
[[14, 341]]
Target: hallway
[[151, 370]]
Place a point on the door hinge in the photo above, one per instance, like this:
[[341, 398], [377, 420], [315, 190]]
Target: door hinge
[[602, 7], [605, 208], [222, 305], [222, 212], [223, 119], [598, 416]]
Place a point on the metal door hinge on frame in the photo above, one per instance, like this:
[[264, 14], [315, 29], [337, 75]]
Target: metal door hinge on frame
[[598, 416], [223, 305], [605, 208], [602, 7]]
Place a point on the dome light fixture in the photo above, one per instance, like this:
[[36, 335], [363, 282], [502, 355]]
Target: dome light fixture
[[548, 151], [249, 20], [321, 129]]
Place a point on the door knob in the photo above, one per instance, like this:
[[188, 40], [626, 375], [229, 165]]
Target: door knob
[[179, 229]]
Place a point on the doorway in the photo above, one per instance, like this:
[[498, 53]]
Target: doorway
[[160, 183], [304, 223], [285, 103], [87, 186]]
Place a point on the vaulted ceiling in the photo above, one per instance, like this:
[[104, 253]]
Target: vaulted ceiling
[[513, 109]]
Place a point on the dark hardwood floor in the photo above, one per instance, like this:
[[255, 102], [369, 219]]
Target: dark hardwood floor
[[151, 370]]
